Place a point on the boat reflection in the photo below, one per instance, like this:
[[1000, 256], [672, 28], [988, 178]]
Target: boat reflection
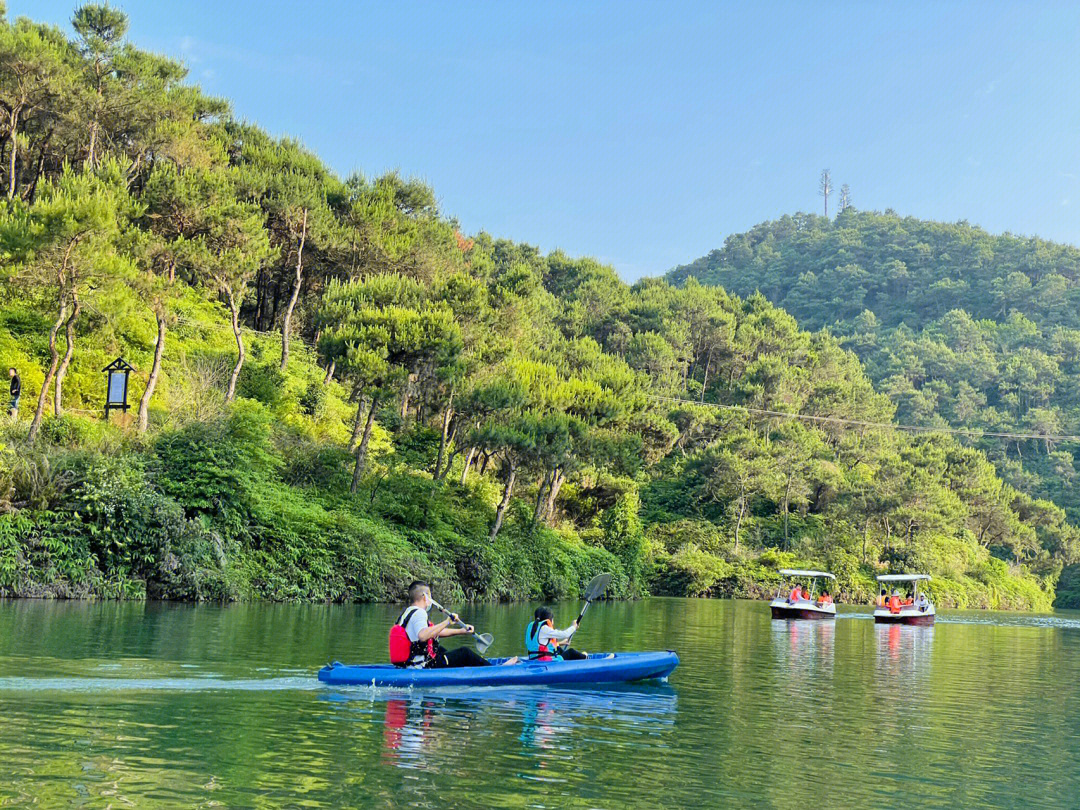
[[903, 650], [803, 647], [418, 724]]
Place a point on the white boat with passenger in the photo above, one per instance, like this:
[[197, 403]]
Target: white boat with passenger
[[794, 602], [900, 607]]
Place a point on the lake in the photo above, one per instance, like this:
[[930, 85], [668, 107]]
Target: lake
[[162, 705]]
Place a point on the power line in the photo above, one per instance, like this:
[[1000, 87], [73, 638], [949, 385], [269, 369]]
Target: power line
[[974, 433], [835, 420]]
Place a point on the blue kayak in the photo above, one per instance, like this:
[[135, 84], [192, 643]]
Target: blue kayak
[[597, 668]]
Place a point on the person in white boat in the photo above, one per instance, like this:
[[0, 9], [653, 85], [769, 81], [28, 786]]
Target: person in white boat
[[922, 603], [797, 594], [824, 599]]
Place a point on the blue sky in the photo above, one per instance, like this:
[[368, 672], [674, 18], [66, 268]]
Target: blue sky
[[644, 133]]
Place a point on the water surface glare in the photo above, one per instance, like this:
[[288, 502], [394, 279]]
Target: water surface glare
[[156, 706]]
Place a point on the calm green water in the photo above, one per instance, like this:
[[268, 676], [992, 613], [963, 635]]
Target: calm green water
[[129, 705]]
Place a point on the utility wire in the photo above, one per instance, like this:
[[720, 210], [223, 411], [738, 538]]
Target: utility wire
[[974, 433], [835, 420]]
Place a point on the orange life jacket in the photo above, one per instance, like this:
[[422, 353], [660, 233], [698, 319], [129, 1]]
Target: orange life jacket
[[894, 604]]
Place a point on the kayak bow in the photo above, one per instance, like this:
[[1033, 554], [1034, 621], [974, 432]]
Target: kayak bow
[[597, 668]]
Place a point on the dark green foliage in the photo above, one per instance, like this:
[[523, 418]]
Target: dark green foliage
[[262, 382]]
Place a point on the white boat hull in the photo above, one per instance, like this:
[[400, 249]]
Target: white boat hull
[[906, 615], [802, 609]]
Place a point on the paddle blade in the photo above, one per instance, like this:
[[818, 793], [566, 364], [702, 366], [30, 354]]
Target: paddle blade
[[483, 641], [597, 586]]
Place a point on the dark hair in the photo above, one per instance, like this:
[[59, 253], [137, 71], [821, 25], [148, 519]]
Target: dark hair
[[12, 368], [542, 614], [416, 590]]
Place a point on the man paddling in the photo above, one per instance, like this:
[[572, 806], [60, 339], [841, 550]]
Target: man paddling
[[425, 650]]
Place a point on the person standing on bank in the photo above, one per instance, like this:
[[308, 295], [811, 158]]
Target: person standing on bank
[[16, 392], [425, 650]]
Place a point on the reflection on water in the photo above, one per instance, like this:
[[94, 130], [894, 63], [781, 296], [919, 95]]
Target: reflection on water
[[416, 723], [903, 651], [180, 706], [803, 648]]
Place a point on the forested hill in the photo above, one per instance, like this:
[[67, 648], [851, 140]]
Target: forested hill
[[336, 391], [907, 271], [956, 325]]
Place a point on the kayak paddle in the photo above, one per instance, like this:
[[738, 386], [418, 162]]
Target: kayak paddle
[[594, 590], [483, 640]]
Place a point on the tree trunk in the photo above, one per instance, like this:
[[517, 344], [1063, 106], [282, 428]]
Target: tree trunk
[[505, 502], [738, 523], [93, 142], [330, 372], [541, 499], [276, 304], [14, 151], [155, 369], [287, 325], [260, 298], [787, 509], [360, 401], [484, 463], [468, 464], [451, 457], [553, 494], [230, 395], [61, 372], [31, 191], [705, 381], [448, 415], [4, 139], [35, 425], [361, 450]]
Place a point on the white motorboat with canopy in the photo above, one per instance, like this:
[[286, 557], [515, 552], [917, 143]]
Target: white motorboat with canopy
[[900, 608], [795, 602]]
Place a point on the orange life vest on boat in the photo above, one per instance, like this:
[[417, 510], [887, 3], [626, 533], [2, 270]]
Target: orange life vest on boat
[[894, 604]]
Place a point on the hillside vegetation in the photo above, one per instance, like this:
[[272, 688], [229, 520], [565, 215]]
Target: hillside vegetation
[[957, 326], [336, 391]]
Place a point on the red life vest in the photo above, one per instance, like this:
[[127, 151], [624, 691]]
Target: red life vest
[[402, 649], [894, 604]]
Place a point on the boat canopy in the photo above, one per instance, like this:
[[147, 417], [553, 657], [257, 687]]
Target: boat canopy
[[902, 577], [796, 572]]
